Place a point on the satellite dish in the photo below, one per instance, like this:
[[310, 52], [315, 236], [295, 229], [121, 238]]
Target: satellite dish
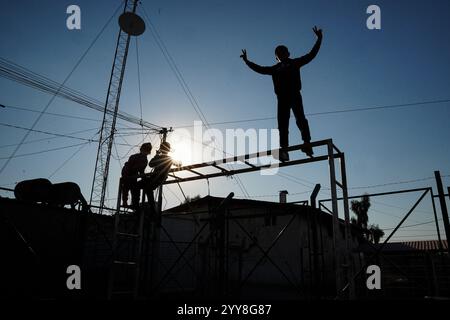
[[132, 24]]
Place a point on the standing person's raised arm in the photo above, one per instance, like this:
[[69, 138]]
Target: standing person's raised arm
[[313, 53], [255, 67]]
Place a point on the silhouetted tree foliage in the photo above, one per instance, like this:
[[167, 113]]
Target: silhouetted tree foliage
[[375, 233], [361, 209]]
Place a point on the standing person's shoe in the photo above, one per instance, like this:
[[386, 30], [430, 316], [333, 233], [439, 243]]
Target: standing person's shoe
[[134, 207], [284, 156], [307, 149]]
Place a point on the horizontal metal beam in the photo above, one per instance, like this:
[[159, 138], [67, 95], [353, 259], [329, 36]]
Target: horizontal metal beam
[[220, 168], [445, 195], [243, 159], [197, 173], [380, 194], [246, 170]]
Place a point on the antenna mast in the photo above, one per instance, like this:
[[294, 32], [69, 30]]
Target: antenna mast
[[130, 25]]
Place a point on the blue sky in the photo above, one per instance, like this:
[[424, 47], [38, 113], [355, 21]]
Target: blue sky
[[404, 62]]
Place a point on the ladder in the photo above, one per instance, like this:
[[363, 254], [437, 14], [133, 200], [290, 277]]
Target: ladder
[[128, 231]]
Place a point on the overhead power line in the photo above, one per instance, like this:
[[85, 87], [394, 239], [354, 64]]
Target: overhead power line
[[42, 151], [22, 75], [276, 195], [392, 183], [51, 113], [13, 154], [413, 225], [193, 101], [69, 158], [46, 132], [349, 110], [47, 138]]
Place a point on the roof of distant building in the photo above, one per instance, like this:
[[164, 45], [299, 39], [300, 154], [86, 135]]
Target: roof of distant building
[[240, 203], [407, 246]]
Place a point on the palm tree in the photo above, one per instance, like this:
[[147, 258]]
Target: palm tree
[[375, 233], [361, 209]]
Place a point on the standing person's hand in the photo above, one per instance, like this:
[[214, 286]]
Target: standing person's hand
[[318, 32], [244, 55]]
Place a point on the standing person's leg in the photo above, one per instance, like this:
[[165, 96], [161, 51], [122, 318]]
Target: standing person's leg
[[302, 123], [147, 186], [125, 190], [149, 189], [135, 193], [283, 121]]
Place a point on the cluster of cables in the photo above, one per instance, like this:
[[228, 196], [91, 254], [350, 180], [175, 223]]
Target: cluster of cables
[[22, 75]]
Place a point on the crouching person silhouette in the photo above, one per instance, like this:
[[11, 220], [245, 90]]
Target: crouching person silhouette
[[287, 85], [161, 164], [131, 171]]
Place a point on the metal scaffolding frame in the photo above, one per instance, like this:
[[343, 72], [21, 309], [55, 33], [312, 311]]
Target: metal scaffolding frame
[[378, 250], [219, 221], [341, 262], [426, 190]]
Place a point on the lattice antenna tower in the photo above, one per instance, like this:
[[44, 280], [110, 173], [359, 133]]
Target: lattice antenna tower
[[130, 25]]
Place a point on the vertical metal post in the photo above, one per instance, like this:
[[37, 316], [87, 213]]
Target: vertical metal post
[[336, 246], [164, 138], [138, 253], [443, 205], [441, 246], [315, 241], [314, 194], [220, 247], [156, 228], [311, 271], [348, 235], [227, 251]]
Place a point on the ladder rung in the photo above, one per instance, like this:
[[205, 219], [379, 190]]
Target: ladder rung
[[130, 235], [130, 263]]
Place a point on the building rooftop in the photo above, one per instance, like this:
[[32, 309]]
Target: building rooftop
[[234, 203], [407, 246]]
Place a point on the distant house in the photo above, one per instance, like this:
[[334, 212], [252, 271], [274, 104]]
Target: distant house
[[423, 246], [411, 269]]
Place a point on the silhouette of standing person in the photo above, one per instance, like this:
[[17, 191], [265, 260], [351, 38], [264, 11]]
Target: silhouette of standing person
[[131, 171], [287, 84]]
